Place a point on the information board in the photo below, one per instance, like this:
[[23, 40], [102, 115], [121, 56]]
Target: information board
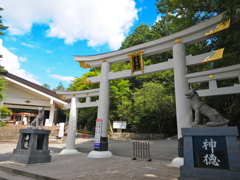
[[119, 124]]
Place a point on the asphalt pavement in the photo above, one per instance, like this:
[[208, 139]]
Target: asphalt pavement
[[79, 166]]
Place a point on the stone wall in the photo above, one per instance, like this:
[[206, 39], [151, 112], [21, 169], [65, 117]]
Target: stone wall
[[124, 135], [10, 134]]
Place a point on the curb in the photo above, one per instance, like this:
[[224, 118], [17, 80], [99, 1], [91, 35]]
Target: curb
[[26, 174]]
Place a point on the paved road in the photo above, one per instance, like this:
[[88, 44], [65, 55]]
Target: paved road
[[79, 166]]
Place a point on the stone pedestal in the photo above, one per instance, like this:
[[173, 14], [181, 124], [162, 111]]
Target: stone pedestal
[[210, 154], [32, 147]]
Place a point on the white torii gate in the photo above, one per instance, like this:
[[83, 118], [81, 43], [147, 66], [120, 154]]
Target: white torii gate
[[211, 76], [175, 42], [179, 63], [74, 106]]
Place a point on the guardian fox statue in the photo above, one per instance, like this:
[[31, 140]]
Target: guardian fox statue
[[38, 121], [200, 108]]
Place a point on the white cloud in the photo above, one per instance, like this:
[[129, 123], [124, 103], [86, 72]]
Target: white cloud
[[62, 78], [22, 59], [27, 45], [50, 52], [12, 49], [48, 70], [11, 63], [99, 22]]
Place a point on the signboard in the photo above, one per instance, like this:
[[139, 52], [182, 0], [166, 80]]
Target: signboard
[[119, 124], [210, 152], [98, 130], [47, 122], [136, 61]]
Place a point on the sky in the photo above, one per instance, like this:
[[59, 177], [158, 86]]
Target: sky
[[44, 35]]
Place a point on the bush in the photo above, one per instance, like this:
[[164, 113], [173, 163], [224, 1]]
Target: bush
[[2, 124]]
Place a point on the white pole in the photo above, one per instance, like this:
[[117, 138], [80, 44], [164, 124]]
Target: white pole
[[52, 111], [104, 93], [103, 112], [183, 108], [70, 142]]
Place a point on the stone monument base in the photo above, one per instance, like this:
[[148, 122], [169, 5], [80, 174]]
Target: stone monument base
[[210, 153], [189, 173], [32, 147]]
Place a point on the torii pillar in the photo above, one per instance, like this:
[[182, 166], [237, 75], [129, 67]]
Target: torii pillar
[[101, 137], [70, 142], [183, 106]]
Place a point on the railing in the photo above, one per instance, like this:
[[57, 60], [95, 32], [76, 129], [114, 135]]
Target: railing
[[141, 150]]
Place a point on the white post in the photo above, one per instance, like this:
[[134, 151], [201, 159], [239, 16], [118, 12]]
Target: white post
[[88, 99], [70, 142], [52, 111], [183, 108], [104, 92], [103, 112]]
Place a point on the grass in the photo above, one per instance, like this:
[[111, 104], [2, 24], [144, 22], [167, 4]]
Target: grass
[[2, 124]]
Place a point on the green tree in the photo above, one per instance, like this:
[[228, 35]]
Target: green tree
[[185, 13], [2, 27], [119, 92], [4, 111], [151, 110], [132, 109], [59, 87], [81, 83], [86, 116], [140, 35], [46, 86]]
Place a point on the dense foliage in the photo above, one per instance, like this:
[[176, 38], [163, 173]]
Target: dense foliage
[[147, 102]]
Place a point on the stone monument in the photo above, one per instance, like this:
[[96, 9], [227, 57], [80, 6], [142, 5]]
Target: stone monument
[[32, 146], [210, 151]]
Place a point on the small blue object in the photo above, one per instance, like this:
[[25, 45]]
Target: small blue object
[[96, 145]]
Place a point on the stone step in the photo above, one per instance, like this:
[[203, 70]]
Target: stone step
[[11, 176], [8, 173]]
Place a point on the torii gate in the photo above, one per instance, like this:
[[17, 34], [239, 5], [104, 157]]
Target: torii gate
[[74, 106], [179, 63]]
